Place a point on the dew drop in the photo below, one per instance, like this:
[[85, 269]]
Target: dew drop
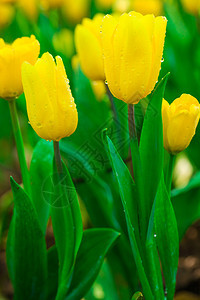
[[39, 125]]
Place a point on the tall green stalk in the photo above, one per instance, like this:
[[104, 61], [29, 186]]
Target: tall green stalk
[[20, 146], [169, 173]]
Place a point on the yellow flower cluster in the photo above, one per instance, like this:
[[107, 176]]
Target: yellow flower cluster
[[125, 50]]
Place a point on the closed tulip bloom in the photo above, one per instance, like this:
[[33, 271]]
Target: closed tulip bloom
[[51, 109], [180, 120], [6, 14], [75, 10], [132, 50], [99, 89], [145, 7], [30, 8], [89, 47], [51, 4], [11, 59], [191, 6]]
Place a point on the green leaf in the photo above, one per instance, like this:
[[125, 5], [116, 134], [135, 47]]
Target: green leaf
[[151, 148], [26, 254], [40, 171], [67, 226], [94, 246], [167, 237], [152, 259], [187, 205], [126, 189], [125, 182]]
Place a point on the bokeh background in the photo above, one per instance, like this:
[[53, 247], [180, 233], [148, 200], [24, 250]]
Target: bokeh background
[[53, 23]]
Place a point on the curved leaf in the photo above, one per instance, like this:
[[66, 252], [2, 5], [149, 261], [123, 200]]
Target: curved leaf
[[94, 246], [26, 253]]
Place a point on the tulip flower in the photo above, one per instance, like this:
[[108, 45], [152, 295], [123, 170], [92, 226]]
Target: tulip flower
[[99, 89], [6, 14], [132, 50], [180, 120], [89, 48], [105, 4], [51, 4], [51, 109], [147, 6], [30, 8], [75, 10], [191, 6], [63, 41], [11, 59]]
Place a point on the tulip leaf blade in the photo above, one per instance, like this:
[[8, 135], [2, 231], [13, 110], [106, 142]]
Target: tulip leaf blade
[[67, 225], [167, 237], [94, 246], [125, 184], [151, 146], [40, 171], [26, 249]]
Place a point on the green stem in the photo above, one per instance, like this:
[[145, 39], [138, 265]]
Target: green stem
[[20, 146], [57, 155], [170, 173], [137, 170]]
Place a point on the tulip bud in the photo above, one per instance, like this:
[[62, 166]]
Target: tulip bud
[[105, 4], [11, 59], [191, 6], [63, 41], [75, 10], [51, 4], [99, 89], [132, 50], [180, 120], [147, 6], [89, 48], [51, 109], [30, 8], [6, 14]]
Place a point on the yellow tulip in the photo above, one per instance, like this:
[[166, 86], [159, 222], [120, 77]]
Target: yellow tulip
[[145, 7], [132, 50], [75, 10], [191, 6], [99, 89], [63, 41], [30, 8], [6, 14], [75, 62], [105, 4], [51, 109], [11, 59], [51, 4], [180, 120], [121, 6], [89, 47]]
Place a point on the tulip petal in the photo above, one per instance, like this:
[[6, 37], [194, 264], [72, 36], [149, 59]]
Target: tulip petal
[[133, 56], [166, 120], [181, 130], [38, 105], [46, 69], [158, 45], [90, 53], [108, 28], [67, 113]]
